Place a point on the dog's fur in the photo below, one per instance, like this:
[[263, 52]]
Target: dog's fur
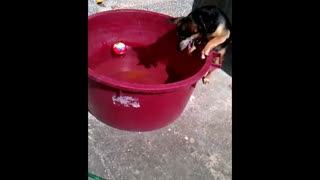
[[209, 25]]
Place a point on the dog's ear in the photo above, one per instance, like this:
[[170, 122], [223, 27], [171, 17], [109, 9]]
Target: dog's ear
[[175, 20]]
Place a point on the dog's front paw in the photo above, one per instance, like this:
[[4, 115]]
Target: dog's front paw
[[205, 80], [205, 52]]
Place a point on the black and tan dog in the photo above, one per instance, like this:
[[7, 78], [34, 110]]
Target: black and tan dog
[[209, 25]]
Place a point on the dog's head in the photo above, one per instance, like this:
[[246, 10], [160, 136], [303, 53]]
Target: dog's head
[[186, 26]]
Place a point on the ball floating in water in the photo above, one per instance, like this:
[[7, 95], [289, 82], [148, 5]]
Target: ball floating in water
[[119, 48]]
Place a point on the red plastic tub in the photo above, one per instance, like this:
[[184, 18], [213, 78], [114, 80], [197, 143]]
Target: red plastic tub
[[149, 86]]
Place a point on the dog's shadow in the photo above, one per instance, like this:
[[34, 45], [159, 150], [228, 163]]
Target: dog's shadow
[[179, 65]]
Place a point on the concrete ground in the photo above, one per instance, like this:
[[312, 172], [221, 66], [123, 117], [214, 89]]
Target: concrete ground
[[197, 146]]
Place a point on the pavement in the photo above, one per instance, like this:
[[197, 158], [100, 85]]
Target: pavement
[[197, 146]]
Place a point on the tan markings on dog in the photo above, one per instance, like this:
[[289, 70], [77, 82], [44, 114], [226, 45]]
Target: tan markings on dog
[[221, 52], [194, 28], [216, 60], [219, 60], [220, 31], [215, 42]]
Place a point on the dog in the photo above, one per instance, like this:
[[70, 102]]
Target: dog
[[208, 25]]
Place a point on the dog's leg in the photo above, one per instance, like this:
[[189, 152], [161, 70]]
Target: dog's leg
[[216, 41], [211, 45], [220, 60], [206, 78]]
